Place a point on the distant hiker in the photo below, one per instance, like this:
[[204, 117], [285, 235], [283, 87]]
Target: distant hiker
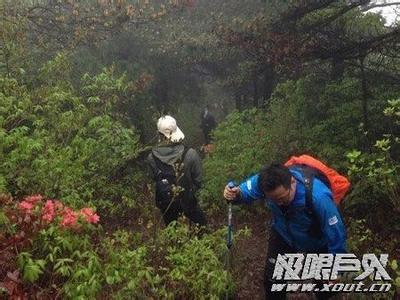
[[177, 172], [207, 124], [305, 216]]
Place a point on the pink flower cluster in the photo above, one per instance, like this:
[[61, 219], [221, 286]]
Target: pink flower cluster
[[29, 203], [70, 217], [53, 208], [89, 215], [50, 210]]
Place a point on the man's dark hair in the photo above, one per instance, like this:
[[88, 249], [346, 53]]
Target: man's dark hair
[[273, 176]]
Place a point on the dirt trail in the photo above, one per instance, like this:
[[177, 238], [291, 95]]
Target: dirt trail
[[248, 256]]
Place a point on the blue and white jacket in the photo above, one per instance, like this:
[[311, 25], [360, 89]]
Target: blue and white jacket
[[294, 228]]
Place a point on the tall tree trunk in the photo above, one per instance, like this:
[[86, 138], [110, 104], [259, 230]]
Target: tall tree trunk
[[269, 82], [337, 68], [162, 96], [245, 103], [238, 101], [365, 142], [255, 90], [6, 56], [365, 95]]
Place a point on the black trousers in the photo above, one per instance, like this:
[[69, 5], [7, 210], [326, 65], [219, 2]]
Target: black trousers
[[188, 206], [277, 245], [207, 136]]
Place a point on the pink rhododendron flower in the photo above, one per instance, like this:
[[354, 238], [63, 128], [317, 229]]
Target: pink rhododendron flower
[[26, 207], [70, 218], [58, 205], [89, 215], [33, 199], [48, 211]]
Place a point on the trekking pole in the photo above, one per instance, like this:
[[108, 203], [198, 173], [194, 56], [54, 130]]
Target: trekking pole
[[229, 236], [229, 241], [230, 229]]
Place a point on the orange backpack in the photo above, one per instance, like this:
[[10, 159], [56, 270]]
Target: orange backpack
[[338, 184]]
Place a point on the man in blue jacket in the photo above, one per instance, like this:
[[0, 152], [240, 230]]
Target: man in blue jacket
[[294, 229]]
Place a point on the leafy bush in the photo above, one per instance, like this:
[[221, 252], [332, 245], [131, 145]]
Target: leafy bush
[[176, 264], [311, 115], [69, 143], [375, 175], [376, 196], [49, 241], [54, 250], [194, 266], [240, 149]]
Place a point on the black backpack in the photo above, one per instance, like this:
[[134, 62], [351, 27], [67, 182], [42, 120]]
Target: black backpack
[[309, 173], [166, 180]]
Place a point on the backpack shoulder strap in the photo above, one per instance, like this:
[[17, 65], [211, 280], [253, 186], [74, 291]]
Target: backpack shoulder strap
[[308, 180], [157, 164], [185, 150], [181, 160]]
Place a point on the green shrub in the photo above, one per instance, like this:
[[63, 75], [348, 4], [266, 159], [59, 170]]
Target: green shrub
[[313, 116], [194, 267], [240, 149], [64, 252], [67, 143], [375, 175]]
